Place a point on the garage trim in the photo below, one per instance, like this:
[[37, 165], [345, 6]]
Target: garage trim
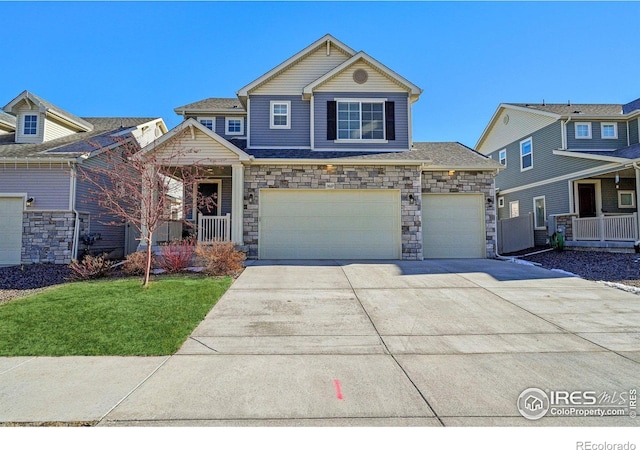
[[9, 247]]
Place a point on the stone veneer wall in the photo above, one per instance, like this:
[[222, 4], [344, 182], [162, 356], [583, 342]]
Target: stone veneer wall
[[47, 236], [565, 220], [405, 178], [467, 182]]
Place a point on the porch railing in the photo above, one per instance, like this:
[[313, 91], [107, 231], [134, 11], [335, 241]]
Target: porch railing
[[214, 229], [623, 227]]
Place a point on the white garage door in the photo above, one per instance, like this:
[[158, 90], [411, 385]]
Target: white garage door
[[325, 224], [453, 226], [10, 229]]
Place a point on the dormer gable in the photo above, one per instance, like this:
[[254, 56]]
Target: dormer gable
[[39, 121]]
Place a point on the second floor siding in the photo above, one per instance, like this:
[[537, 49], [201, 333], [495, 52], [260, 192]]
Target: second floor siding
[[545, 165], [401, 121], [261, 134], [596, 141]]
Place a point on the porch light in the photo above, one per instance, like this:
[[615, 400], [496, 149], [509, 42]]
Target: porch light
[[617, 180], [30, 201], [489, 201], [452, 172], [412, 199], [251, 198]]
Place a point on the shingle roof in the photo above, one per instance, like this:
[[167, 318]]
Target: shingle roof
[[50, 106], [7, 119], [632, 152], [573, 109], [72, 145], [454, 155], [213, 105]]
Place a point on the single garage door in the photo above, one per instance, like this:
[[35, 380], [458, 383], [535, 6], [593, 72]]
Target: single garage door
[[325, 224], [11, 229], [453, 226]]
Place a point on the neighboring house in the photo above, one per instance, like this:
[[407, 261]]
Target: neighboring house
[[573, 166], [47, 213], [315, 159]]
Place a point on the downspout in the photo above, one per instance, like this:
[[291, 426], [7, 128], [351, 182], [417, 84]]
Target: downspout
[[76, 228], [565, 138]]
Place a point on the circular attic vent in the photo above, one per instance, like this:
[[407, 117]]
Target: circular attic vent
[[360, 76]]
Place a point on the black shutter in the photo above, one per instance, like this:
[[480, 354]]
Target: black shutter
[[332, 125], [390, 120]]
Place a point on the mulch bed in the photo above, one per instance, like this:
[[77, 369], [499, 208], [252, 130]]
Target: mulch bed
[[18, 281]]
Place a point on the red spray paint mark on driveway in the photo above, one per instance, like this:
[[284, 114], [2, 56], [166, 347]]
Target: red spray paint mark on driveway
[[339, 396]]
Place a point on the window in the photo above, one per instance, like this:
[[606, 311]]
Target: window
[[609, 130], [500, 202], [280, 116], [539, 213], [234, 125], [363, 120], [583, 130], [30, 125], [514, 208], [526, 155], [502, 157], [626, 199], [208, 122]]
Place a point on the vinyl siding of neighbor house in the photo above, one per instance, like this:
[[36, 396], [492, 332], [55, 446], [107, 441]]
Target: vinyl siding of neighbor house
[[634, 137], [261, 135], [292, 80], [49, 186], [401, 121], [54, 130], [376, 82], [519, 123], [546, 165], [596, 142]]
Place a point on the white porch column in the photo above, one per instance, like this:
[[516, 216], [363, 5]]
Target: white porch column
[[237, 203]]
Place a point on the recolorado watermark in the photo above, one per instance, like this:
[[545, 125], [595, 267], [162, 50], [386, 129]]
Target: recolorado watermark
[[534, 404], [588, 445]]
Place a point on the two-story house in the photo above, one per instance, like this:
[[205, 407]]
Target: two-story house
[[315, 159], [46, 212], [573, 166]]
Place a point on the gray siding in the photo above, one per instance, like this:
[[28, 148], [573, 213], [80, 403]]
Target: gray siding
[[221, 129], [401, 121], [261, 135], [49, 186], [633, 132], [610, 194], [545, 164], [596, 142]]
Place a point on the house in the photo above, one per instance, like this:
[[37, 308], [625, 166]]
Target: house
[[574, 167], [315, 159], [47, 212]]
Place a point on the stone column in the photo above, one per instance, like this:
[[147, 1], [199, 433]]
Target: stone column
[[237, 203]]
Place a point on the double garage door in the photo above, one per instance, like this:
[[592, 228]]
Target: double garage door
[[11, 229], [365, 224]]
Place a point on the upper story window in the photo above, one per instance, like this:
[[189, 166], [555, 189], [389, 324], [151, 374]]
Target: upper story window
[[502, 157], [30, 124], [234, 125], [208, 122], [280, 115], [361, 120], [526, 155], [609, 130], [583, 130]]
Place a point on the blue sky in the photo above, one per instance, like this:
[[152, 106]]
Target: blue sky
[[145, 58]]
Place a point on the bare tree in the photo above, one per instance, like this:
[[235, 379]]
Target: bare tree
[[140, 188]]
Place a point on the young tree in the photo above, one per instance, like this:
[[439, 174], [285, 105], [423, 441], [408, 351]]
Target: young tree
[[140, 187]]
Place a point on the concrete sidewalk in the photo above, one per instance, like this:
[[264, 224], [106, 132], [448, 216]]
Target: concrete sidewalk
[[431, 343]]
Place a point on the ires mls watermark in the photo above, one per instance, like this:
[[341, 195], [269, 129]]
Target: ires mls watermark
[[534, 403]]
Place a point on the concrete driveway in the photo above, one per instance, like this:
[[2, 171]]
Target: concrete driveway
[[432, 343]]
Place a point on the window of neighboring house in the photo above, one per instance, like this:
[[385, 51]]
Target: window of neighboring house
[[234, 125], [626, 199], [583, 130], [30, 124], [526, 155], [360, 120], [502, 157], [539, 213], [514, 208], [209, 122], [500, 202], [280, 115], [609, 130]]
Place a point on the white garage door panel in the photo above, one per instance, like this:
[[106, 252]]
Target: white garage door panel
[[303, 224], [11, 229], [453, 226]]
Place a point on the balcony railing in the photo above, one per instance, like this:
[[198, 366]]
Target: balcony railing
[[623, 227], [214, 229]]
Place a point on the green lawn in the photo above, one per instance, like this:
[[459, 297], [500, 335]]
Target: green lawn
[[108, 317]]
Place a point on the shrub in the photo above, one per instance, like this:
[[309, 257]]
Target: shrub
[[176, 256], [220, 259], [135, 263], [90, 267]]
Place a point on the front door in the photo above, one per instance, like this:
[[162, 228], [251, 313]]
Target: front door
[[209, 193], [587, 200]]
